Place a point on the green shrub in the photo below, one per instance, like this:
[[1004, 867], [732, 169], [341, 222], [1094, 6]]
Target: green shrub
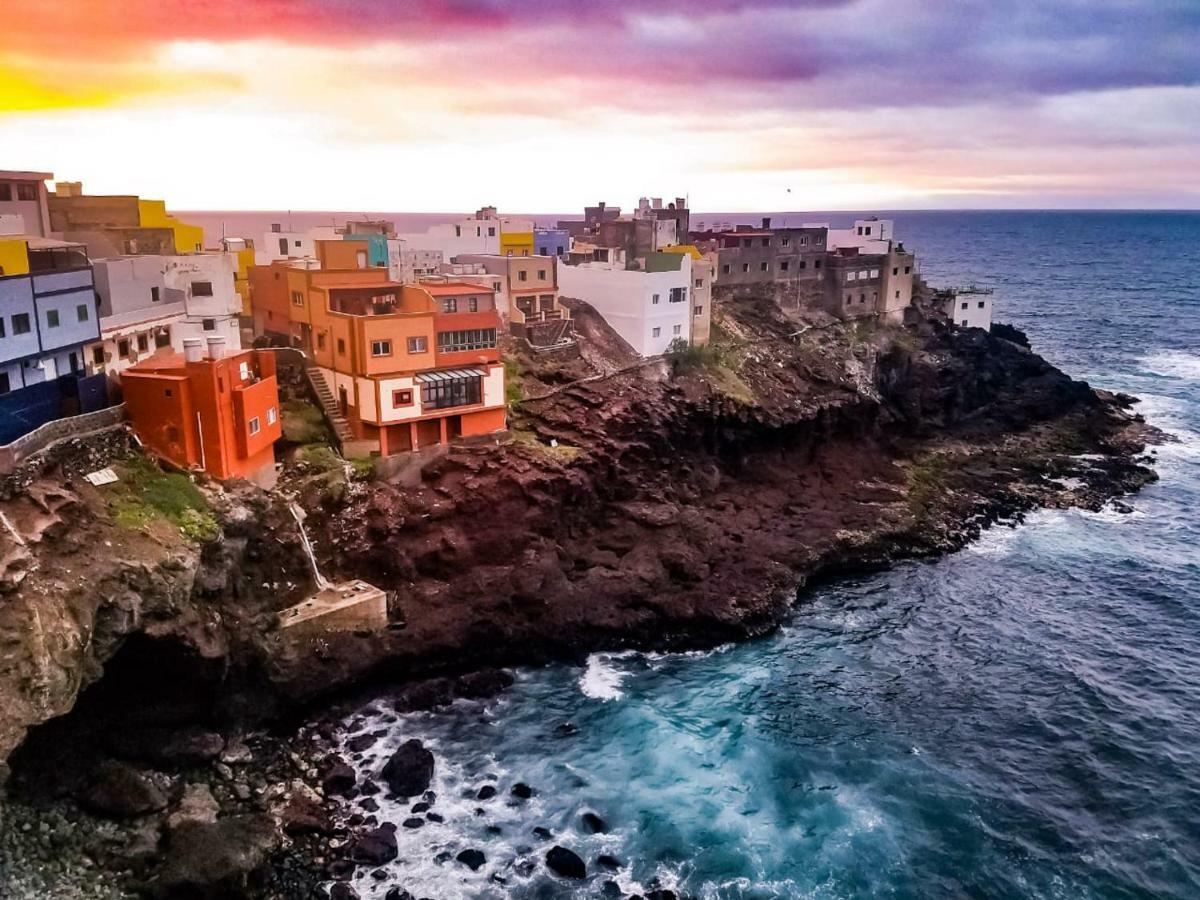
[[146, 493], [303, 423]]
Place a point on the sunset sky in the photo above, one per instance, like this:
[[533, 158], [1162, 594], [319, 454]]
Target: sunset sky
[[540, 107]]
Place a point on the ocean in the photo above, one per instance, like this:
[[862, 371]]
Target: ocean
[[1019, 719]]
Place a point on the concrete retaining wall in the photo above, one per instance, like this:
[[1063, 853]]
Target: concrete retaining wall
[[12, 455]]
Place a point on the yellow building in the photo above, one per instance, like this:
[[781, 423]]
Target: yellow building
[[516, 237], [14, 257], [153, 214]]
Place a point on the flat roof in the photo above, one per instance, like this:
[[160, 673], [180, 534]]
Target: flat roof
[[438, 288], [12, 175], [37, 242]]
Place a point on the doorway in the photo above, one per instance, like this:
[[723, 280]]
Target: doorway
[[343, 400]]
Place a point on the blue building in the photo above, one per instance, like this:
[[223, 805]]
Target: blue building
[[48, 315], [551, 241]]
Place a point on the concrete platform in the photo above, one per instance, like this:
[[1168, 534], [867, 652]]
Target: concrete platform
[[348, 606]]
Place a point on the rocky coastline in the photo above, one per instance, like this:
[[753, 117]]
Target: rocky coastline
[[165, 741]]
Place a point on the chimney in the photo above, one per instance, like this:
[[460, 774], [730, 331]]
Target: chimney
[[681, 203], [766, 221], [193, 349], [216, 347]]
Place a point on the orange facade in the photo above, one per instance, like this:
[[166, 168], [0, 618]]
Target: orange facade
[[220, 415]]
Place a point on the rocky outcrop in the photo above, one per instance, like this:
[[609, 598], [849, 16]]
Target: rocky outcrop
[[409, 770]]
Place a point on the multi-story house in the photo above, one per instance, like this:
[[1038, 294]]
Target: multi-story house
[[648, 307], [218, 412], [528, 291], [700, 303], [116, 225], [874, 236], [752, 257], [137, 315], [280, 243], [408, 365], [48, 316], [24, 204], [516, 237], [477, 234], [854, 282], [551, 241]]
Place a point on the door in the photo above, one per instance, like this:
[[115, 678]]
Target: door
[[343, 400], [453, 427]]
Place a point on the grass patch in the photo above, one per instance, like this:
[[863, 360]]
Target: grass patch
[[927, 478], [727, 382], [146, 494], [362, 468], [303, 423], [686, 357], [512, 381], [563, 452]]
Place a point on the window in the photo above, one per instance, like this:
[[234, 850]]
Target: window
[[473, 304], [803, 264], [255, 425], [209, 324], [5, 385], [297, 243], [52, 318], [762, 266], [154, 295], [724, 270], [850, 276], [320, 340], [785, 241], [746, 242], [202, 289], [168, 393], [458, 231], [816, 264], [874, 273], [272, 416], [401, 398], [895, 270], [862, 298], [897, 295], [655, 332], [783, 266], [868, 231], [98, 355], [678, 295], [907, 269], [244, 371], [654, 300], [964, 323], [282, 248], [381, 348], [6, 193], [981, 302], [863, 274], [452, 392], [699, 282], [803, 240], [470, 339], [522, 275], [491, 231], [20, 323], [27, 192], [81, 312], [964, 306], [450, 305], [698, 311], [541, 274], [677, 329], [418, 344], [745, 267], [143, 343], [297, 298], [123, 349], [162, 338], [766, 242]]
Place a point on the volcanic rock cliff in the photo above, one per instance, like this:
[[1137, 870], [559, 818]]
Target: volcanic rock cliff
[[665, 503]]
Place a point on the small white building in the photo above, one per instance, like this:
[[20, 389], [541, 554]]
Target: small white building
[[649, 309], [971, 311], [479, 233], [137, 316], [212, 306], [280, 244]]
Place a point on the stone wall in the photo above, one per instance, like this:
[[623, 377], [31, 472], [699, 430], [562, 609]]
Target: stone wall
[[11, 455]]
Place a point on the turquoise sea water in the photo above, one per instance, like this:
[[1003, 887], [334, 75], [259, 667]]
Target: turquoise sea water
[[1020, 719]]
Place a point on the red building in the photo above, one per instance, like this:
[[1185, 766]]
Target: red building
[[217, 412]]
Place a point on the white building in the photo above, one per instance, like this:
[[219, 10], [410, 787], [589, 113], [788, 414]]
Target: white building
[[649, 309], [869, 235], [971, 311], [137, 315], [479, 233], [280, 244], [212, 305], [407, 265]]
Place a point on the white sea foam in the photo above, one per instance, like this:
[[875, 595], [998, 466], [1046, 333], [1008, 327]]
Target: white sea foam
[[1173, 364], [601, 678]]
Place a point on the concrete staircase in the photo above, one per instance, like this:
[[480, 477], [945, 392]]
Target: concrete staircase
[[329, 404]]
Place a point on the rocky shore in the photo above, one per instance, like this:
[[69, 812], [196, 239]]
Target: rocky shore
[[164, 740]]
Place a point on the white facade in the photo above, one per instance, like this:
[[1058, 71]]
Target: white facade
[[868, 235], [648, 309], [469, 235], [212, 305], [137, 315], [388, 413], [971, 311], [290, 244]]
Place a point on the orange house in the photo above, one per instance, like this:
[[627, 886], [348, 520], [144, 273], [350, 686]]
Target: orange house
[[218, 412]]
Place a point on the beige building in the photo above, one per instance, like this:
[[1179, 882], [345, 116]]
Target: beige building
[[528, 288]]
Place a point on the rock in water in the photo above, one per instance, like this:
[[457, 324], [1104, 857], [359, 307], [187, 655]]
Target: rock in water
[[122, 792], [339, 778], [472, 858], [342, 891], [522, 791], [410, 769], [594, 823], [375, 847], [565, 863], [487, 792], [214, 861]]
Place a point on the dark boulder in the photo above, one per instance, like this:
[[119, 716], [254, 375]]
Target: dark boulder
[[397, 894], [305, 815], [434, 817], [522, 791], [339, 777], [410, 769], [375, 847], [542, 833], [172, 748], [361, 742], [342, 891], [565, 863], [413, 822], [472, 858], [214, 861], [121, 791], [480, 685], [594, 823], [608, 862], [487, 792]]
